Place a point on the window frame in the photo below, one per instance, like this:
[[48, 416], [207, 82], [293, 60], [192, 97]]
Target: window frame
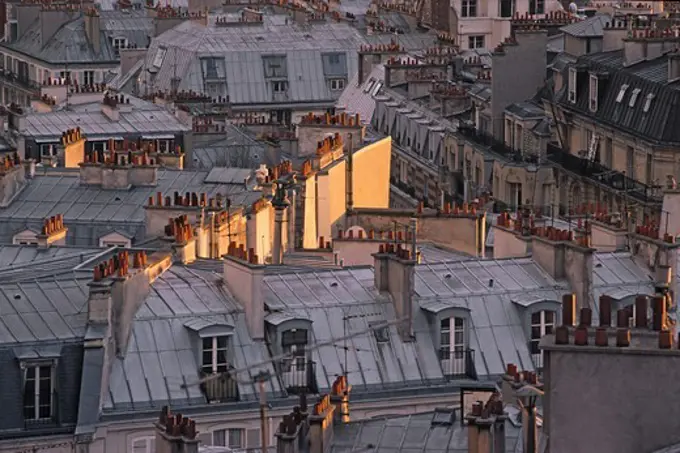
[[159, 57], [227, 433], [634, 97], [593, 92], [622, 93], [475, 40], [536, 7], [279, 86], [545, 327], [149, 443], [337, 84], [295, 350], [573, 80], [215, 366], [36, 406], [468, 8]]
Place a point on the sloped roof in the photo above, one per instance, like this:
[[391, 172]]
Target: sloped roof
[[243, 49], [359, 98], [591, 27]]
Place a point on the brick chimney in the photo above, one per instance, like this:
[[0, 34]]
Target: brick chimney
[[72, 149], [340, 399], [181, 233], [175, 434], [245, 278], [53, 232], [313, 129], [486, 426], [280, 204], [394, 273], [321, 426], [120, 168]]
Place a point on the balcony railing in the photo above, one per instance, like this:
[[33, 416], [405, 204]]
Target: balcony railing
[[597, 172], [537, 360], [298, 375], [496, 146], [54, 420], [458, 364], [23, 82], [221, 388]]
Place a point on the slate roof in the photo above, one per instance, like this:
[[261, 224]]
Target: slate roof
[[588, 28], [235, 149], [359, 98], [161, 348], [71, 45], [90, 211], [145, 118], [411, 433], [658, 124], [21, 262], [243, 49]]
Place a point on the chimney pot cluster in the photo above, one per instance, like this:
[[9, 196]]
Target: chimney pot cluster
[[329, 144], [382, 27], [381, 235], [393, 46], [48, 100], [10, 162], [554, 18], [397, 250], [463, 209], [343, 119], [179, 228], [54, 224], [118, 265], [190, 199], [239, 251], [398, 7], [323, 244], [651, 230], [88, 88], [177, 426], [445, 89], [71, 136], [112, 100], [285, 168], [521, 377], [168, 12]]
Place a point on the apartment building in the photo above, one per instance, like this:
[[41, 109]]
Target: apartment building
[[48, 42], [615, 145]]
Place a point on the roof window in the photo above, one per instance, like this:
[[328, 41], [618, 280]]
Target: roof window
[[633, 97], [622, 93], [648, 102], [159, 57]]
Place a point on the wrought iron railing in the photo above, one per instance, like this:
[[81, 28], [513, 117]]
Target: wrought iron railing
[[458, 364], [221, 388], [298, 375], [496, 146], [536, 358], [597, 172], [15, 78]]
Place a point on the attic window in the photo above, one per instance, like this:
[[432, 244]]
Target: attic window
[[622, 93], [376, 88], [593, 93], [572, 85], [381, 332], [160, 56], [369, 85], [633, 97], [648, 102]]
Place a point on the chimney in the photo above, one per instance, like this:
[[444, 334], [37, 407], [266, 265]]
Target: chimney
[[486, 426], [73, 148], [244, 279], [395, 273], [674, 66], [99, 304], [93, 28], [184, 246], [340, 399], [321, 426], [175, 434], [289, 434], [12, 178], [53, 232], [280, 203]]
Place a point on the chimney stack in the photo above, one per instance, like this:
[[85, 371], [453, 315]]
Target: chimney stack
[[321, 426], [340, 399], [53, 232], [244, 279], [175, 434]]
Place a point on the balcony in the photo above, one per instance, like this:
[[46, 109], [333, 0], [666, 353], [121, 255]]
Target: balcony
[[496, 146], [22, 82], [600, 174], [458, 364], [298, 375], [221, 388]]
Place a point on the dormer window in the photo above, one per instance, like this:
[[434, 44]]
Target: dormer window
[[542, 323], [214, 354], [452, 346], [593, 93], [39, 391], [648, 102], [622, 93], [633, 97], [572, 85], [294, 343]]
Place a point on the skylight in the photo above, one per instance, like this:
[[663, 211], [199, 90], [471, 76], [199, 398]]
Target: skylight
[[369, 85], [376, 88], [633, 97], [159, 57], [648, 102], [622, 93]]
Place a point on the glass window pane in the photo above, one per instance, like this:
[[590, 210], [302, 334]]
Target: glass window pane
[[548, 330], [445, 324], [207, 358], [535, 332], [207, 343], [221, 357], [29, 397], [534, 347], [219, 438], [536, 317], [235, 438], [221, 342], [445, 339], [459, 322], [549, 317]]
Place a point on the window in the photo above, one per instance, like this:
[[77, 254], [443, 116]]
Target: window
[[452, 345], [593, 93], [88, 77], [38, 392], [376, 88], [468, 9], [630, 162], [507, 8], [515, 195], [649, 173], [622, 93], [403, 171], [337, 84], [633, 97], [119, 43], [632, 313], [380, 332], [542, 323], [648, 103], [369, 85], [232, 438], [275, 66], [572, 85], [294, 342], [536, 6], [159, 57], [144, 445], [48, 150], [65, 75], [280, 87], [476, 42], [214, 357], [213, 68]]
